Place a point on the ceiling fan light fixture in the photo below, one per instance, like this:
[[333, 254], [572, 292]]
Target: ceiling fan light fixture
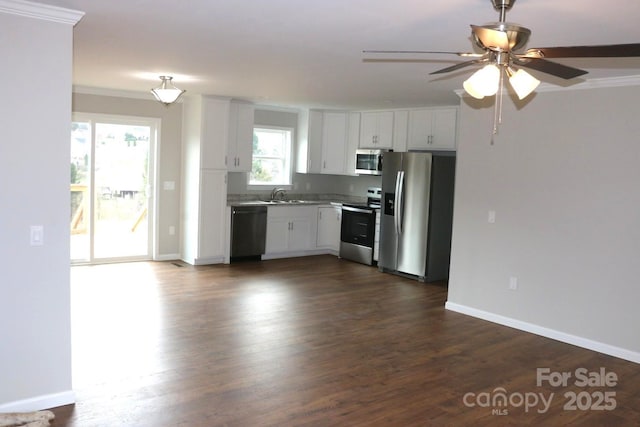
[[470, 88], [484, 82], [167, 93], [522, 83]]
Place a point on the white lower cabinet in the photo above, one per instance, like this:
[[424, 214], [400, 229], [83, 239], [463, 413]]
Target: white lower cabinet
[[329, 220], [204, 218], [291, 230]]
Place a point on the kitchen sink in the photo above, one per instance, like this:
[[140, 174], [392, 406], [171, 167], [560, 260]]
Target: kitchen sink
[[277, 202], [291, 202], [253, 202]]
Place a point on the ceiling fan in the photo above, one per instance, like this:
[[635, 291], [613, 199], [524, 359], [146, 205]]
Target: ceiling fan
[[503, 43]]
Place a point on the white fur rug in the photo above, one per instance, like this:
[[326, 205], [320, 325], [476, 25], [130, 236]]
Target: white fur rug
[[26, 419]]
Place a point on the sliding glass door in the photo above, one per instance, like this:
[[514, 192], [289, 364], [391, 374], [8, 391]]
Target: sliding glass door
[[112, 178]]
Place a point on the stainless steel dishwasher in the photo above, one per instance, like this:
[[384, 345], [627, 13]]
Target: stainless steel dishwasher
[[248, 231]]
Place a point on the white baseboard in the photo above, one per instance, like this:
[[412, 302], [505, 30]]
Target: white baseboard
[[167, 257], [209, 260], [600, 347], [297, 254], [39, 403]]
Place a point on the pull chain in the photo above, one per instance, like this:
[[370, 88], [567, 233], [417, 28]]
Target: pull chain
[[497, 107]]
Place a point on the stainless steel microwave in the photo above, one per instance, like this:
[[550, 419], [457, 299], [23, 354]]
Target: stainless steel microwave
[[369, 162]]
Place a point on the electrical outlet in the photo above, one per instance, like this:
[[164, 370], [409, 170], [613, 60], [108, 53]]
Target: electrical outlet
[[308, 186], [513, 283], [492, 217]]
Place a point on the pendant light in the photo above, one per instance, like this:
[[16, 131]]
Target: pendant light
[[167, 93]]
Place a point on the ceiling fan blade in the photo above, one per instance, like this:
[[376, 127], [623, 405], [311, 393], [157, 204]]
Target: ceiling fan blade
[[491, 39], [549, 67], [456, 67], [418, 52], [601, 51]]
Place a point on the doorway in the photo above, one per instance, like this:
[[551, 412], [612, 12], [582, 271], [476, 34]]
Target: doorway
[[112, 182]]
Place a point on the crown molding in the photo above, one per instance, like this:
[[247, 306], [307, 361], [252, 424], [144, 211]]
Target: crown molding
[[89, 90], [606, 82], [594, 84], [41, 11], [119, 93]]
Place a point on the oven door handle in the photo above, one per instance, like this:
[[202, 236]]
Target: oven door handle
[[397, 211], [358, 210]]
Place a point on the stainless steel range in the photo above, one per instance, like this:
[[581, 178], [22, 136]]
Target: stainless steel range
[[358, 228]]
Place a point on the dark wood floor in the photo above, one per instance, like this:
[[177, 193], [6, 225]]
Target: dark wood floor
[[308, 341]]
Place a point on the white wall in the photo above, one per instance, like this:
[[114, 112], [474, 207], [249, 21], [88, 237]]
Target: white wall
[[563, 178], [169, 156], [35, 331]]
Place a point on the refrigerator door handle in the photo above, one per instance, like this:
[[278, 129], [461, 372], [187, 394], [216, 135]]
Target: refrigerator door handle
[[398, 214], [395, 202]]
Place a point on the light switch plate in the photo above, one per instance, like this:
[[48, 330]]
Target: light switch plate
[[37, 235]]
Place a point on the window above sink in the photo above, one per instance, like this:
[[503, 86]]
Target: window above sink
[[272, 157]]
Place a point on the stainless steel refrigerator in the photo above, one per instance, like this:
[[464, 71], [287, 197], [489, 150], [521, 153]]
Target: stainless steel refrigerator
[[417, 214]]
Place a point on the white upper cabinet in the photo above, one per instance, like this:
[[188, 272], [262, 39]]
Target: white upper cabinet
[[324, 139], [432, 129], [240, 146], [376, 130], [353, 140], [400, 130], [211, 119], [309, 142], [334, 143]]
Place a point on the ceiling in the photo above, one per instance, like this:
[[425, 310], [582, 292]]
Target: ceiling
[[309, 53]]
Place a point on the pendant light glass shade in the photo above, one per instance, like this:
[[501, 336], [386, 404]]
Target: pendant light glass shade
[[483, 82], [167, 93], [523, 83]]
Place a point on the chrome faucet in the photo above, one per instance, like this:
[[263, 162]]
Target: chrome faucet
[[278, 191]]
